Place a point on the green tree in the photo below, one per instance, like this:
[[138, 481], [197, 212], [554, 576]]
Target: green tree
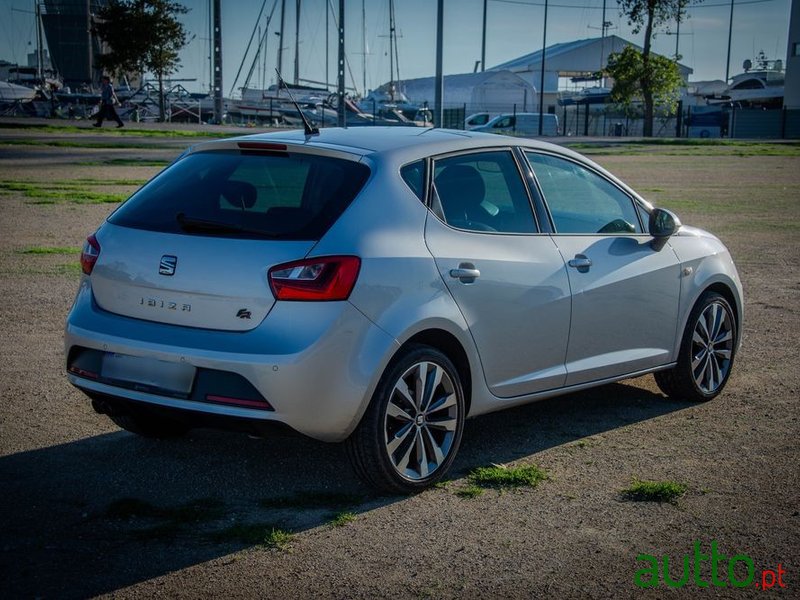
[[630, 75], [142, 35], [648, 74]]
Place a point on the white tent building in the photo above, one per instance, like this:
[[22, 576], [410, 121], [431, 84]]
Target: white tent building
[[579, 60], [490, 91]]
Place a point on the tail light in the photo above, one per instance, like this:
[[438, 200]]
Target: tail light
[[317, 279], [89, 254]]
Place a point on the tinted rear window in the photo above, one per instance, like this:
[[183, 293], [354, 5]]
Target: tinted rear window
[[241, 194]]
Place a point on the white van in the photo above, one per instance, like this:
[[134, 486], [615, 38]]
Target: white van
[[522, 124]]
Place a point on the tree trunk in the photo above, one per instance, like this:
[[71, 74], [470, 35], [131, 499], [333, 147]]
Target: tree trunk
[[647, 86], [161, 110]]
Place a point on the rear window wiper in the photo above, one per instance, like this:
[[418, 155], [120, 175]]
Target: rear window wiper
[[195, 225]]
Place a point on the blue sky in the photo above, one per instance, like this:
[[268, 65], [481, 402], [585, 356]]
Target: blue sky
[[514, 29]]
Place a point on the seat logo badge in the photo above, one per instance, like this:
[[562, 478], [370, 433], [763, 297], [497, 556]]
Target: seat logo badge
[[244, 313], [167, 265]]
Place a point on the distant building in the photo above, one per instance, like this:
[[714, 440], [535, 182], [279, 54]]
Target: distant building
[[495, 92], [578, 61], [791, 97], [68, 30]]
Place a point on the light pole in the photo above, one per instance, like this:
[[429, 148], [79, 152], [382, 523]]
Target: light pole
[[541, 78], [730, 34], [439, 84]]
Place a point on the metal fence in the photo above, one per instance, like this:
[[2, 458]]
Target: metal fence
[[605, 120]]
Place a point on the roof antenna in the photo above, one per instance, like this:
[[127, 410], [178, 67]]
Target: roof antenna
[[306, 125]]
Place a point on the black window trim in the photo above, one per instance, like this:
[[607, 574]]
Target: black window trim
[[430, 190], [426, 168], [635, 201]]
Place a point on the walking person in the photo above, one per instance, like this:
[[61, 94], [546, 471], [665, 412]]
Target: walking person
[[107, 101]]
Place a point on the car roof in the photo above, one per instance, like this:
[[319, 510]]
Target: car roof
[[398, 142]]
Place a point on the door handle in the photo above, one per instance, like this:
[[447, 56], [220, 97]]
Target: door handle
[[466, 272], [580, 262]]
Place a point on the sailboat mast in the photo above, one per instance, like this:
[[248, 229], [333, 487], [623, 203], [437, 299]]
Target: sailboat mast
[[483, 39], [39, 57], [280, 36], [364, 44], [392, 44], [210, 48], [327, 45], [217, 41], [297, 43]]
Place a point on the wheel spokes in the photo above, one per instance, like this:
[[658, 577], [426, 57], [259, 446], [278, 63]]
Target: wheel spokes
[[712, 347], [400, 437], [421, 420]]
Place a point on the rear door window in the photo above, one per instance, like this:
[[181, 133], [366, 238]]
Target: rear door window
[[240, 194], [482, 191]]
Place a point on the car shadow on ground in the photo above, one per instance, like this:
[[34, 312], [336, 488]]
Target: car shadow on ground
[[102, 513]]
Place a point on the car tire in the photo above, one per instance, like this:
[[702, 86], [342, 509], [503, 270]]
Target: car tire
[[149, 425], [707, 351], [410, 434]]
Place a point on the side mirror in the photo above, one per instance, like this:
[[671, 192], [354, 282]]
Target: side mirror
[[663, 224]]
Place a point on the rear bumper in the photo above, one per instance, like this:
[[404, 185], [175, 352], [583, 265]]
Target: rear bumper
[[316, 363]]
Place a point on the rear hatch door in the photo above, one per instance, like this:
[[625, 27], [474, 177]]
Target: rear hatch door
[[193, 247], [194, 281]]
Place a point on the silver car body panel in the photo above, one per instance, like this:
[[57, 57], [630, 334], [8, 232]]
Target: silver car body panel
[[624, 307], [705, 262], [518, 309], [215, 284], [318, 363], [311, 361]]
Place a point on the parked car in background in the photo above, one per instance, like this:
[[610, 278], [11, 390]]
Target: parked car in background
[[521, 124], [379, 285], [476, 120]]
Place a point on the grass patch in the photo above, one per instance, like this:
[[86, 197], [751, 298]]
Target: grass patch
[[73, 268], [654, 491], [130, 508], [49, 250], [341, 519], [255, 534], [72, 191], [499, 476], [90, 181], [196, 511], [688, 147], [75, 197], [126, 162], [79, 144], [313, 500], [126, 131], [165, 523], [469, 492]]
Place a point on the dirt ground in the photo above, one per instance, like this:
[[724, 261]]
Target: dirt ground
[[89, 510]]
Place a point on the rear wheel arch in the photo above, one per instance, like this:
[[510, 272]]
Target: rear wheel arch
[[410, 433], [449, 345]]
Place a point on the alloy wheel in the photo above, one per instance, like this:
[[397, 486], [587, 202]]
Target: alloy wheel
[[421, 420], [712, 347]]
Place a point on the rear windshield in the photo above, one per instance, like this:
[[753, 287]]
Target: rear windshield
[[246, 194]]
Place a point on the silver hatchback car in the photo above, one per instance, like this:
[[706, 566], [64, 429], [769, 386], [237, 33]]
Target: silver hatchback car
[[379, 285]]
